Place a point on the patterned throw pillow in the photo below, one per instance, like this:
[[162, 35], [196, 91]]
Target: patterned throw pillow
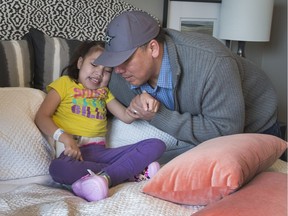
[[81, 19], [16, 64], [51, 55]]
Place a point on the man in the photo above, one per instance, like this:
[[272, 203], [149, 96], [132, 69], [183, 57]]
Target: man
[[205, 91]]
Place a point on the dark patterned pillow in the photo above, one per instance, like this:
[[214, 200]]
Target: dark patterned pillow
[[51, 55], [81, 19], [16, 64]]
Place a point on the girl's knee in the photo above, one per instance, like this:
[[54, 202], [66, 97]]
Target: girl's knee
[[60, 163], [161, 145], [157, 144]]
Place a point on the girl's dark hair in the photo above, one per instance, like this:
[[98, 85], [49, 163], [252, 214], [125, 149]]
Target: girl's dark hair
[[71, 69]]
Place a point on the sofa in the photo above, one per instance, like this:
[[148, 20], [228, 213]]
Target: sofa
[[229, 175]]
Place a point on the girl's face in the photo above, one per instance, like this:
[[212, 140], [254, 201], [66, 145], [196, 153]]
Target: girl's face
[[93, 76]]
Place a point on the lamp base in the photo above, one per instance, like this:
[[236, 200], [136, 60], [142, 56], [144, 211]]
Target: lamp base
[[241, 48]]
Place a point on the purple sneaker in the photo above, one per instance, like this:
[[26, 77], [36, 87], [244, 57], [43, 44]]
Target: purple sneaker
[[91, 187], [148, 173]]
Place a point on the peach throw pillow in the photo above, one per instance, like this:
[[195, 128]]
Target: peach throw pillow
[[215, 168], [265, 195]]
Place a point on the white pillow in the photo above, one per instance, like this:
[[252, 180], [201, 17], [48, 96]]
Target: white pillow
[[120, 133], [24, 151]]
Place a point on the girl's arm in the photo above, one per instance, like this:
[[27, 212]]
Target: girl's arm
[[120, 111], [46, 124], [128, 115]]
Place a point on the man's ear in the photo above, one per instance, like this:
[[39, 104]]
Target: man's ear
[[154, 47]]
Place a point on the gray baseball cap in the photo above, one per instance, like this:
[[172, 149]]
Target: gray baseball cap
[[125, 34]]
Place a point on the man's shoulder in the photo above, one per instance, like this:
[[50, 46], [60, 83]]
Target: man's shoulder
[[190, 36], [195, 40]]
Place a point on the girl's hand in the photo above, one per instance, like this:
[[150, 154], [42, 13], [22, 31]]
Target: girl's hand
[[71, 148]]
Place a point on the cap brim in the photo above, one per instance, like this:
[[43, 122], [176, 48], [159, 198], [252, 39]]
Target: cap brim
[[113, 59]]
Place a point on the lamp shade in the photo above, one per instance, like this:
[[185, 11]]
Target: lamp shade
[[246, 20]]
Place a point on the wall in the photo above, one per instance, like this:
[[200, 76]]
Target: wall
[[155, 7], [270, 56]]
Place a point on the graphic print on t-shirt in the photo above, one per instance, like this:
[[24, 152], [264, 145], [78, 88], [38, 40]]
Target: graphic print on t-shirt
[[90, 103]]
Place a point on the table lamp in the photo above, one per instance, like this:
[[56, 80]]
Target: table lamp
[[245, 20]]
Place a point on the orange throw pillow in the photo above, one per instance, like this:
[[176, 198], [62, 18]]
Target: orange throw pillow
[[215, 168]]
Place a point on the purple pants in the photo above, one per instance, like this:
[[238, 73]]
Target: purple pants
[[119, 163]]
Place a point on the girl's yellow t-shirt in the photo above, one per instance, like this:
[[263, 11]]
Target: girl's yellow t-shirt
[[82, 111]]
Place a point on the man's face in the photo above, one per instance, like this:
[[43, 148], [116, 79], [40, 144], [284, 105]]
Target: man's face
[[138, 69]]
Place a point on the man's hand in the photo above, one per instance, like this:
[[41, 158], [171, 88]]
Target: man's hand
[[143, 106]]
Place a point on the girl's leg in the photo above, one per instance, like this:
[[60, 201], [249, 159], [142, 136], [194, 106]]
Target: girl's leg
[[128, 161], [119, 163], [125, 162], [66, 170]]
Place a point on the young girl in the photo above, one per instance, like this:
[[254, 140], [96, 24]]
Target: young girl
[[74, 114]]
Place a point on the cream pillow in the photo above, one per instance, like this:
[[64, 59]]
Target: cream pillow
[[24, 151]]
